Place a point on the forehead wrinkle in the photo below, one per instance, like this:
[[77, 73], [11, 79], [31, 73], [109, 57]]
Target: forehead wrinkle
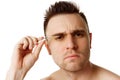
[[68, 32], [77, 24], [66, 23]]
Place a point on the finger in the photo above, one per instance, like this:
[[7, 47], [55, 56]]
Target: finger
[[35, 40], [27, 42], [31, 42], [40, 38], [38, 48], [24, 42]]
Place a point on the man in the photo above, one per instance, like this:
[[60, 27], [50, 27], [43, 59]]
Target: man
[[68, 41]]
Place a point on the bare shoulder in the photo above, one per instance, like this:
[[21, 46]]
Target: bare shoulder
[[53, 76], [105, 74]]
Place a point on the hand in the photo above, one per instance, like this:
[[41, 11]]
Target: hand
[[25, 55]]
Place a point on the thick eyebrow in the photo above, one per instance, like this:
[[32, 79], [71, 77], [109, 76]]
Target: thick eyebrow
[[57, 34], [64, 33], [76, 31]]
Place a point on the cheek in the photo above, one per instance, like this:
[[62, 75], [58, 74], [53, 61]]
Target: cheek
[[56, 48], [57, 57], [84, 48], [84, 43], [56, 52]]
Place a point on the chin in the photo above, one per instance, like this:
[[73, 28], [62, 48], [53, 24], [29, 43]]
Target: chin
[[73, 68]]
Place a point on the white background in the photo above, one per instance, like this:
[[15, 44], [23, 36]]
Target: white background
[[19, 18]]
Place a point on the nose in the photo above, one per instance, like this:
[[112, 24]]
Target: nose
[[71, 43]]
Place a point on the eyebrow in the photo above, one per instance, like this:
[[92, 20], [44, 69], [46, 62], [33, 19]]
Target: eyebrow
[[56, 34], [74, 31], [61, 33], [81, 31]]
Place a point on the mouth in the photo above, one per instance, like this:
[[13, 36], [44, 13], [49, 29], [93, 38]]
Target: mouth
[[72, 56]]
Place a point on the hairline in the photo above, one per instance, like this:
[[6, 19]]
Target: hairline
[[64, 14]]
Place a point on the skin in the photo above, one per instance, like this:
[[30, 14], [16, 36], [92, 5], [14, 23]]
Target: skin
[[24, 56], [74, 40], [69, 46]]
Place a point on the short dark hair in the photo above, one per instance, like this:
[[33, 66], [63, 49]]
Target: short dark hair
[[61, 7]]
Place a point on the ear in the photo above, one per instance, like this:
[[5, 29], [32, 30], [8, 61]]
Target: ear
[[46, 45], [90, 34]]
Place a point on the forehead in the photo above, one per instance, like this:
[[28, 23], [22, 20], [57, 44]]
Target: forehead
[[65, 23]]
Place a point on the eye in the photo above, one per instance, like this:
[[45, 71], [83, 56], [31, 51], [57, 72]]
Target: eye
[[79, 34], [59, 37]]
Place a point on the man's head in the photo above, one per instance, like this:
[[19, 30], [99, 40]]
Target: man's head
[[68, 37], [62, 7]]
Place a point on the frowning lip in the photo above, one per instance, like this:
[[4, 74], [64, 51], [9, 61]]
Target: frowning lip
[[72, 56]]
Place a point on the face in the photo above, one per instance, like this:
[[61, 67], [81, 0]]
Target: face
[[69, 41]]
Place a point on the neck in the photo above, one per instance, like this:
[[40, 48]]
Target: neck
[[82, 74]]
